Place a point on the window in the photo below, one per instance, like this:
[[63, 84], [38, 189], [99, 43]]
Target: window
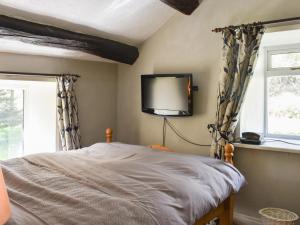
[[282, 92], [272, 102], [27, 117], [287, 60]]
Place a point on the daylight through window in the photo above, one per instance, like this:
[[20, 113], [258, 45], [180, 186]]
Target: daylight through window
[[283, 92], [27, 117], [11, 123]]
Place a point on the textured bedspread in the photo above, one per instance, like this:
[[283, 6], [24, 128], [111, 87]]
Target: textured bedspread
[[116, 184]]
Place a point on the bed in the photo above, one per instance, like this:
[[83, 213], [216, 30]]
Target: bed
[[114, 183]]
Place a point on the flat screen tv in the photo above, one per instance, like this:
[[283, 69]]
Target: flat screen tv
[[167, 94]]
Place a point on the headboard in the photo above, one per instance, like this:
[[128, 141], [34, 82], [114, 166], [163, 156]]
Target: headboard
[[228, 155]]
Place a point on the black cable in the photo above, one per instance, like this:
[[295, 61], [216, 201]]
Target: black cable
[[164, 132], [180, 135], [278, 140]]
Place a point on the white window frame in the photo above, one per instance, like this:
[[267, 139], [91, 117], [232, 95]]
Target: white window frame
[[281, 71]]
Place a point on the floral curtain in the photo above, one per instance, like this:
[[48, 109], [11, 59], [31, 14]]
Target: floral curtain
[[240, 48], [67, 111]]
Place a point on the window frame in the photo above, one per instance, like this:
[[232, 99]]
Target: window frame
[[25, 89], [273, 72]]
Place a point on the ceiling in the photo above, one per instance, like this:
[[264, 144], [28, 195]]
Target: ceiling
[[127, 21]]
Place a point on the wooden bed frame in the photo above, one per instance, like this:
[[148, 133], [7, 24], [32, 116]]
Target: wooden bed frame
[[224, 211]]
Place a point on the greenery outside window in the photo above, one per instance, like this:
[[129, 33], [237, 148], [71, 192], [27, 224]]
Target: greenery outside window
[[11, 123]]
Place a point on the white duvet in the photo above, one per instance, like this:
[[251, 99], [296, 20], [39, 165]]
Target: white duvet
[[116, 184]]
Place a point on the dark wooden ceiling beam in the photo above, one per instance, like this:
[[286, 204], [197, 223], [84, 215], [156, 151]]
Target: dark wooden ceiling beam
[[185, 6], [45, 35]]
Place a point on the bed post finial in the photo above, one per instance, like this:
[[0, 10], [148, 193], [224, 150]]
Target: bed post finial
[[108, 135], [229, 149]]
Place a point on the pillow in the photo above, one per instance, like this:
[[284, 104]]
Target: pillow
[[4, 202]]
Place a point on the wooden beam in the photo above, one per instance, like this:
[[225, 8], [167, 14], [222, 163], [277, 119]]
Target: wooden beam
[[40, 34], [185, 6]]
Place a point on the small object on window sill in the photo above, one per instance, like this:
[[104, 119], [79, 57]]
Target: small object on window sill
[[250, 141], [251, 138]]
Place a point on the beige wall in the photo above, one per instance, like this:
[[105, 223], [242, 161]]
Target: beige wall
[[96, 89], [273, 180], [186, 44]]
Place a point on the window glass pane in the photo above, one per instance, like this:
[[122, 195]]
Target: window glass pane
[[283, 105], [11, 123], [286, 60]]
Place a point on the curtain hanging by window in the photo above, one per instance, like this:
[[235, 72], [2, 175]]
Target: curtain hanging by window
[[67, 110], [240, 48]]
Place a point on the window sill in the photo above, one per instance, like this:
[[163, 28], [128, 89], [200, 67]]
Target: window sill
[[273, 146]]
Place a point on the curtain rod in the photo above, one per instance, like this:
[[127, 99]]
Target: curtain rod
[[218, 29], [36, 74]]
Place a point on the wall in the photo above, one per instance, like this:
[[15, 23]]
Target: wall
[[273, 180], [186, 44], [95, 89]]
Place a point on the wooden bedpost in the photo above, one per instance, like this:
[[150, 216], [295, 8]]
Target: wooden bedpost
[[229, 149], [227, 217], [108, 135]]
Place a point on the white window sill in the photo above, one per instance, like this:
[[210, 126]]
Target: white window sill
[[273, 146]]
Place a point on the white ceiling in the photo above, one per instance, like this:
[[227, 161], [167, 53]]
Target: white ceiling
[[129, 21]]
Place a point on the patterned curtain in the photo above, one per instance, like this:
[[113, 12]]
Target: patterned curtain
[[67, 110], [240, 48]]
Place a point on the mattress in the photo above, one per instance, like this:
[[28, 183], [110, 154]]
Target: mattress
[[114, 184]]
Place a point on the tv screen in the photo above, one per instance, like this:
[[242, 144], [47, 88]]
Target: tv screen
[[167, 94]]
